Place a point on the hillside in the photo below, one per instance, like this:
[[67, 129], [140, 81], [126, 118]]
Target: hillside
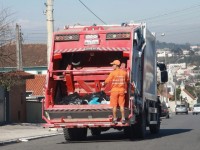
[[172, 46]]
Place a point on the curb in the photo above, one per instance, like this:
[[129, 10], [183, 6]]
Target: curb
[[26, 139]]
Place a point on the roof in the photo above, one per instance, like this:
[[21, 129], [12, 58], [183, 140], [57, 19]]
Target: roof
[[189, 94], [36, 85], [32, 55]]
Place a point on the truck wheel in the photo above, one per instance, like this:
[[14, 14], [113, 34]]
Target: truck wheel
[[71, 134], [128, 132], [96, 131], [82, 132], [139, 129]]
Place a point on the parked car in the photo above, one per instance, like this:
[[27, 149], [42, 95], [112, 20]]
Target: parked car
[[165, 111], [181, 109], [196, 109]]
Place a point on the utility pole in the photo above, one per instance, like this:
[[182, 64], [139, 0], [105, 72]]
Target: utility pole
[[175, 93], [166, 91], [50, 27], [19, 47]]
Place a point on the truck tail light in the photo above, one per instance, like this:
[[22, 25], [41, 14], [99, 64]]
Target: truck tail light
[[66, 37], [117, 36], [57, 56]]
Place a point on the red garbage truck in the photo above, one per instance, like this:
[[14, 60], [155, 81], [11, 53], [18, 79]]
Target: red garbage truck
[[75, 99]]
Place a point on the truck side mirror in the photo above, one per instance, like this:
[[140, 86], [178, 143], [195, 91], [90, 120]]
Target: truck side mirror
[[164, 76], [162, 66]]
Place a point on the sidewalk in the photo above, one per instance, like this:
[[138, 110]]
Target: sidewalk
[[14, 133]]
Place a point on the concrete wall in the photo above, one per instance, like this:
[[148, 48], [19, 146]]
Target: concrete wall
[[17, 103], [2, 105], [172, 106]]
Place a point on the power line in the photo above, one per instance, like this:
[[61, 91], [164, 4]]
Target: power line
[[179, 29], [177, 17], [36, 33], [170, 13], [91, 11], [177, 22]]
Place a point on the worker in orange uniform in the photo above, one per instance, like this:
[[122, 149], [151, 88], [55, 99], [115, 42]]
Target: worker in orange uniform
[[118, 78]]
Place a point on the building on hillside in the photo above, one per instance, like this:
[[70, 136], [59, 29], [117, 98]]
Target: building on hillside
[[195, 47], [186, 97], [186, 52], [196, 72], [177, 65], [197, 52], [164, 53]]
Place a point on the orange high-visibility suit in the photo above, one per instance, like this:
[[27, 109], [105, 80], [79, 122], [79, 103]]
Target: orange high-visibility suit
[[118, 78]]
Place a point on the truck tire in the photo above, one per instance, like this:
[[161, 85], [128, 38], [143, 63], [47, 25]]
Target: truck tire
[[95, 131], [139, 129], [128, 132], [74, 134]]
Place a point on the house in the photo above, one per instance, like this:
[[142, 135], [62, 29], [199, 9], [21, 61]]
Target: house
[[186, 52], [186, 97], [164, 53], [35, 86], [34, 59]]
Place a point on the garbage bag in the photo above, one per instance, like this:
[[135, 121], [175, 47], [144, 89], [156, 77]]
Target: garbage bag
[[71, 99], [94, 100], [101, 96], [77, 101]]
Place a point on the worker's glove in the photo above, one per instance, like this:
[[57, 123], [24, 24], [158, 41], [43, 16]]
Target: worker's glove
[[103, 84]]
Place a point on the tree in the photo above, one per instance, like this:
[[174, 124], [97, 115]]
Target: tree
[[197, 84], [178, 92], [6, 37], [7, 49], [9, 79]]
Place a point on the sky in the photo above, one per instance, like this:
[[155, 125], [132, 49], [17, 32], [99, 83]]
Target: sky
[[177, 20]]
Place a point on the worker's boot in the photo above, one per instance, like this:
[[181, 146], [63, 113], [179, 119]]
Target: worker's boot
[[115, 121], [123, 121]]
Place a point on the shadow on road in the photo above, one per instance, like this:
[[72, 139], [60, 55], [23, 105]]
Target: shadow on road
[[168, 132], [120, 137]]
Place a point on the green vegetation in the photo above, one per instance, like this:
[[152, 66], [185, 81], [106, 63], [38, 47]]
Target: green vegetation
[[197, 84], [9, 79], [191, 90], [172, 46], [178, 91]]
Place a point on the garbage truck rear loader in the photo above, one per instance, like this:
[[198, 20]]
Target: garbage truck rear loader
[[75, 99]]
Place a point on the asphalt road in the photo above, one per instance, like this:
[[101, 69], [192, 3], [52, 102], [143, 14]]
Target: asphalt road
[[181, 132]]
